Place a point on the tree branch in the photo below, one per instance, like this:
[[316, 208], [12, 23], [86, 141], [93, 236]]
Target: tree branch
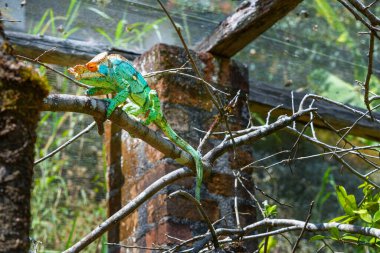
[[129, 208], [255, 135], [97, 108]]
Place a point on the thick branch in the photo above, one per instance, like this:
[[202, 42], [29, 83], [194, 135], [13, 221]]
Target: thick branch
[[97, 108]]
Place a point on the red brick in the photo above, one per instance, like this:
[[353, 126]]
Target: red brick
[[172, 93], [221, 184], [130, 158], [152, 154], [242, 158], [128, 226], [178, 119], [161, 206], [248, 215], [157, 235]]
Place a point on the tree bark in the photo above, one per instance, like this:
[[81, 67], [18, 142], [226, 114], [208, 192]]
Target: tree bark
[[21, 94]]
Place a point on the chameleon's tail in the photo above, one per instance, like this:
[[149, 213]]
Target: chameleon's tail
[[169, 132]]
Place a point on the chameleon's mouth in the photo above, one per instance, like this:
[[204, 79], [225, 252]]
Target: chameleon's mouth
[[82, 72]]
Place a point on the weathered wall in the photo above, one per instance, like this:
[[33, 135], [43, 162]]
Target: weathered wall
[[187, 106]]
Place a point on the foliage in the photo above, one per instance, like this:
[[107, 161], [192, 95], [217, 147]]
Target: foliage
[[58, 202], [126, 34], [365, 213], [48, 20]]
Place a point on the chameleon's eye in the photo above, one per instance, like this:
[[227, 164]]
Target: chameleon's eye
[[92, 66]]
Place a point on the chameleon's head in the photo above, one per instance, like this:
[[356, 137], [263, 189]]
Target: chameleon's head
[[97, 71]]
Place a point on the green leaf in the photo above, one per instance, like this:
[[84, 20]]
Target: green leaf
[[70, 32], [334, 233], [119, 29], [317, 237], [37, 28], [104, 34], [376, 216], [366, 217], [100, 13], [348, 202], [361, 211], [339, 218], [350, 238], [272, 242]]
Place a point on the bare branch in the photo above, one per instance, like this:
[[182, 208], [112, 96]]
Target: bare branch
[[129, 208], [86, 130], [97, 108], [304, 227], [365, 11], [255, 135], [369, 72], [202, 212]]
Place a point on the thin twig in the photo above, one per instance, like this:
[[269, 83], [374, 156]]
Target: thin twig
[[236, 207], [45, 52], [129, 208], [177, 72], [214, 100], [133, 247], [369, 73], [67, 143], [266, 242], [9, 20], [270, 112], [54, 70], [202, 212], [304, 227], [358, 17]]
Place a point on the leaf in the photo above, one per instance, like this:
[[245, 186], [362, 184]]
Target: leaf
[[70, 32], [350, 238], [104, 34], [317, 237], [339, 218], [334, 233], [100, 13], [348, 202], [366, 217], [343, 37], [361, 211], [37, 28], [272, 242], [376, 216]]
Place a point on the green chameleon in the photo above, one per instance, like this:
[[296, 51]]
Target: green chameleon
[[114, 74]]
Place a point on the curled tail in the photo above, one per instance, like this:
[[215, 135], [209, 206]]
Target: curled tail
[[173, 136]]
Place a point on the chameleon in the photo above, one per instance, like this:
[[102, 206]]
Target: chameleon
[[112, 73]]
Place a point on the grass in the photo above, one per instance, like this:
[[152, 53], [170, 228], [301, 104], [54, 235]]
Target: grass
[[68, 197]]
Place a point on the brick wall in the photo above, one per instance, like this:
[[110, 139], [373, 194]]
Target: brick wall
[[186, 105]]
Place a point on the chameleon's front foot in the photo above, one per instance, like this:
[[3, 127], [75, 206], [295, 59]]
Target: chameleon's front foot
[[110, 107]]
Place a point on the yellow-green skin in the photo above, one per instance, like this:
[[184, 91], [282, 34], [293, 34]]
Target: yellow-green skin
[[114, 74]]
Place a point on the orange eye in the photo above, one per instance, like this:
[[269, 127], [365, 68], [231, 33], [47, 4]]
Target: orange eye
[[92, 66]]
